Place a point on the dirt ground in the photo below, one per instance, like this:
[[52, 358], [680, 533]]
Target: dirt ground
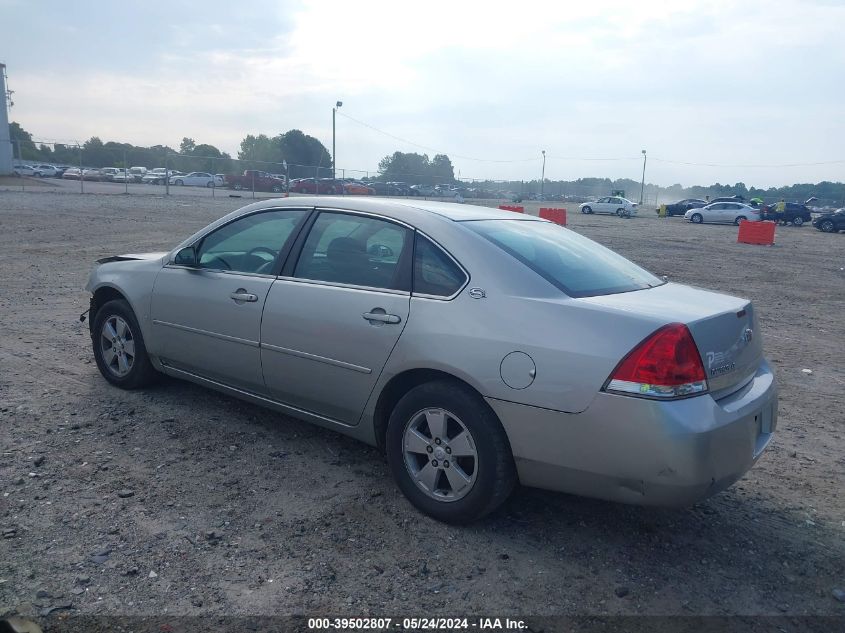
[[179, 500]]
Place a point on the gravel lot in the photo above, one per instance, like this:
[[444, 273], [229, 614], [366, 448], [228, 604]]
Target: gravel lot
[[179, 500]]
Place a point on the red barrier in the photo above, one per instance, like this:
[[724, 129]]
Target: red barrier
[[756, 233], [508, 207], [558, 216]]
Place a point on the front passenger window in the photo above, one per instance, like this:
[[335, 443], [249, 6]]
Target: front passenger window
[[249, 244]]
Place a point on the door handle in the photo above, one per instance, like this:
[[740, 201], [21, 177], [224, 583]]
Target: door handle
[[381, 317], [241, 295]]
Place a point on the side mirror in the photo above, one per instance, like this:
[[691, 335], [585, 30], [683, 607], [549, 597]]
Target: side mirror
[[186, 257]]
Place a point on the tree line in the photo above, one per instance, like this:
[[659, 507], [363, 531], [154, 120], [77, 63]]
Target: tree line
[[307, 157]]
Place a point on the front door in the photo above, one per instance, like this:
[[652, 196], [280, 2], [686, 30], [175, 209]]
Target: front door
[[206, 317], [333, 318], [726, 212], [602, 205]]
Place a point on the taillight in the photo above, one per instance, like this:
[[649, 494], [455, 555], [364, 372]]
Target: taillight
[[665, 365]]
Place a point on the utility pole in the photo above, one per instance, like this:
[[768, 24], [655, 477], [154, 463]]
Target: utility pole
[[543, 176], [642, 185], [334, 138]]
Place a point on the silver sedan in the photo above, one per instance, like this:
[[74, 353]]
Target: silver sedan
[[723, 212], [477, 348]]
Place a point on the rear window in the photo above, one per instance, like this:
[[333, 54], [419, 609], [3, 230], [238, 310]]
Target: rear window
[[435, 273], [577, 265]]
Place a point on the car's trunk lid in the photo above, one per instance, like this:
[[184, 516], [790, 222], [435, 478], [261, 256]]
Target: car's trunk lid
[[725, 328]]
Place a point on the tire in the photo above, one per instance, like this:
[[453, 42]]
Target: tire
[[586, 210], [798, 221], [209, 184], [490, 469], [696, 218], [180, 183], [827, 226], [277, 188], [739, 218], [134, 371], [237, 186]]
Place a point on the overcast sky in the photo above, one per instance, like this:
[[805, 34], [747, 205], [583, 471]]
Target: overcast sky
[[745, 85]]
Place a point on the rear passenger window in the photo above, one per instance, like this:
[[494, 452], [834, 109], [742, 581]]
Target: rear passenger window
[[357, 250], [435, 273]]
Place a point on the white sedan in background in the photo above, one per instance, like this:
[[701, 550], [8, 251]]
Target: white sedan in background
[[614, 205], [26, 170], [723, 212], [197, 179], [47, 171]]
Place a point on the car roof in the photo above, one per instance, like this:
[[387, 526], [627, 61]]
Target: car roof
[[397, 209]]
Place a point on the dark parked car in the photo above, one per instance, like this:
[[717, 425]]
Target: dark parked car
[[392, 189], [831, 222], [402, 189], [795, 214], [424, 190], [739, 199], [682, 206]]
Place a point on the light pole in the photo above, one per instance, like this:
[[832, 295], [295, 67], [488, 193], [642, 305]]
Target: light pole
[[543, 175], [334, 160], [642, 185]]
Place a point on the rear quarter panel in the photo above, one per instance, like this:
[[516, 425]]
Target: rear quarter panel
[[574, 347]]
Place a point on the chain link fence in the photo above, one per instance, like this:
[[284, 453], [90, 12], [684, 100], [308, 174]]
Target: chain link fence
[[127, 169]]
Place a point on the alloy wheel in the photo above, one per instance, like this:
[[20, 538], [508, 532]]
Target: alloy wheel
[[117, 344], [440, 454]]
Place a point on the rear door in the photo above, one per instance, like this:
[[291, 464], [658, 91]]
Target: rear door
[[730, 211], [333, 317]]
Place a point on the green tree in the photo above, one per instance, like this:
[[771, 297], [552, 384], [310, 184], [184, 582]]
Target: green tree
[[259, 148], [22, 145], [305, 155], [96, 154], [187, 145], [401, 166], [442, 170]]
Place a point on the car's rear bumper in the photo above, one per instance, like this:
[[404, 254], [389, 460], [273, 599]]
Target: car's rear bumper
[[642, 451]]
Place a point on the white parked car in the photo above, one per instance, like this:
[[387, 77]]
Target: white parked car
[[613, 205], [110, 172], [198, 179], [122, 176], [26, 170], [158, 176], [723, 212], [47, 171], [137, 173]]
